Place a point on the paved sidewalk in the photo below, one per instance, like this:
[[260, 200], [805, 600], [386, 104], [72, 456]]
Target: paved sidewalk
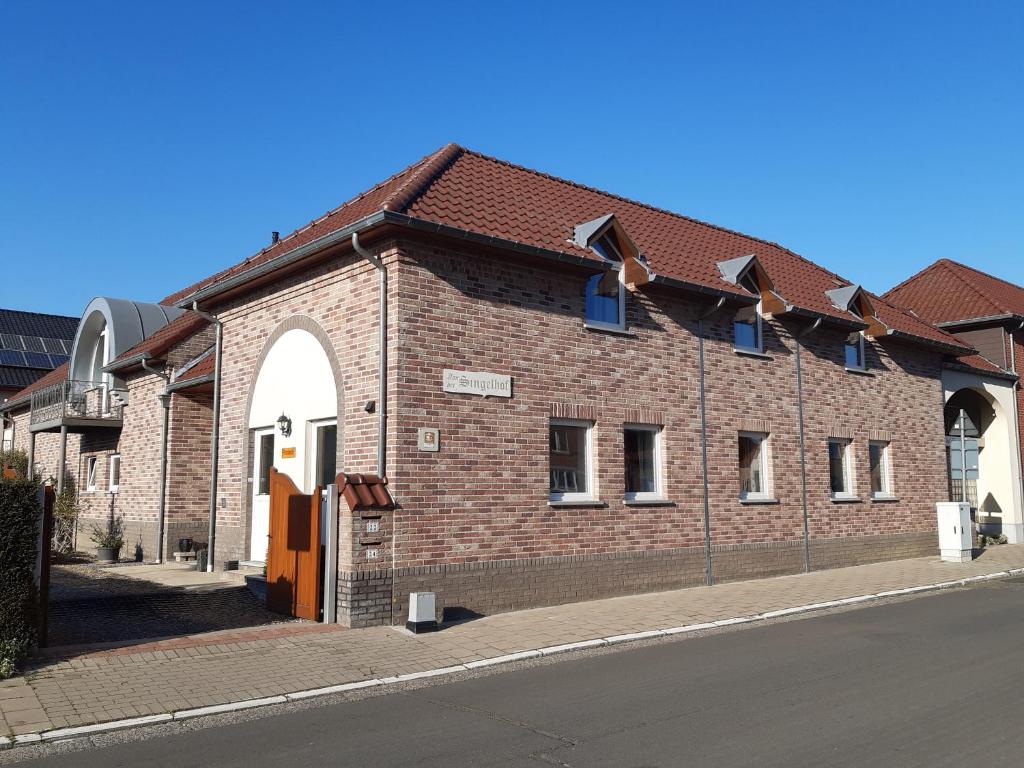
[[96, 685]]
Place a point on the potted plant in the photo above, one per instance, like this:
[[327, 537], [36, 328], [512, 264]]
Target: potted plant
[[109, 540]]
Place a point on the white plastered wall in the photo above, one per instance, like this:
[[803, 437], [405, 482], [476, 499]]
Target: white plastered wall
[[295, 379], [999, 477]]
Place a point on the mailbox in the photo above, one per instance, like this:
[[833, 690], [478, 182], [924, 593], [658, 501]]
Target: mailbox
[[955, 540]]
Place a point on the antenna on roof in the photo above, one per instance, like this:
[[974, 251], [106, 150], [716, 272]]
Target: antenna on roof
[[274, 237]]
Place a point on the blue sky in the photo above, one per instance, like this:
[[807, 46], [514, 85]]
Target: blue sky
[[147, 145]]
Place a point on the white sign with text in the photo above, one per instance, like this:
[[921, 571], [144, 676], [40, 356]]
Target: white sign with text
[[477, 383]]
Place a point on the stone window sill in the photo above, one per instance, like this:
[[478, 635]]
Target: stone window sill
[[859, 371], [752, 353], [648, 502], [756, 500], [845, 499], [884, 498], [579, 503]]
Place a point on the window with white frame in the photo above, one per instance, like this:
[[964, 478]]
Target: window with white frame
[[840, 469], [642, 452], [753, 459], [881, 472], [746, 325], [570, 460], [115, 472], [853, 351], [325, 451], [605, 301], [90, 474]]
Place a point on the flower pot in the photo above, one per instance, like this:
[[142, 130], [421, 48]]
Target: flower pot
[[107, 554]]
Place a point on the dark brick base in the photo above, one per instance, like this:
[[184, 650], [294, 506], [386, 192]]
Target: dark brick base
[[859, 550], [365, 597]]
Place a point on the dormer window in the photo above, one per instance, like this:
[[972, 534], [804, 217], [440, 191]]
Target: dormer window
[[853, 351], [606, 247], [746, 325], [605, 302]]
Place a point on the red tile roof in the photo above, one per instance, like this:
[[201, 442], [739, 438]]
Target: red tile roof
[[161, 341], [53, 377], [464, 189], [980, 363], [391, 194], [364, 492], [948, 291], [204, 367]]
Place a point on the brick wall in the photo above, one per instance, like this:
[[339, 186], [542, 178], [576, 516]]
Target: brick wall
[[474, 521], [47, 449], [337, 301]]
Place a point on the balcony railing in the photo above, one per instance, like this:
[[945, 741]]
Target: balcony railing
[[71, 399]]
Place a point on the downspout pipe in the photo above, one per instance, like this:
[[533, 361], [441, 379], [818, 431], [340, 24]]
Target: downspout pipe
[[708, 577], [798, 338], [382, 362], [1016, 412], [165, 403], [214, 432]]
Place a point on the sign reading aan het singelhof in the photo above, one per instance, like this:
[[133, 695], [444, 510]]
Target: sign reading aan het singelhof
[[477, 383]]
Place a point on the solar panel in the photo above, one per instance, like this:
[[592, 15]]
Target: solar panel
[[33, 351], [12, 357]]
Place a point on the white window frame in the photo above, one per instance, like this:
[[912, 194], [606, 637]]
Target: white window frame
[[600, 324], [860, 351], [766, 491], [90, 473], [589, 495], [886, 492], [115, 461], [314, 449], [658, 494], [849, 478]]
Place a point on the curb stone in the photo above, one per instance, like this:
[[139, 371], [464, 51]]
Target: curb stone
[[58, 734]]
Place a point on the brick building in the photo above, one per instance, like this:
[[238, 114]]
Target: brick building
[[581, 396], [986, 313]]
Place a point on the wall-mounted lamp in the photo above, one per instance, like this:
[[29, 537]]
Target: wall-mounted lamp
[[285, 425]]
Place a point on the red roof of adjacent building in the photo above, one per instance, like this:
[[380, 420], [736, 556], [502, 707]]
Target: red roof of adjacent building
[[53, 377], [161, 341], [948, 291], [470, 191]]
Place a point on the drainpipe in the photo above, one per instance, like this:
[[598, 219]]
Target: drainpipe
[[214, 432], [1016, 414], [165, 403], [708, 578], [382, 341], [382, 394], [803, 446]]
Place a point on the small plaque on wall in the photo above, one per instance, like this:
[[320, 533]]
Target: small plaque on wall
[[428, 439], [287, 453]]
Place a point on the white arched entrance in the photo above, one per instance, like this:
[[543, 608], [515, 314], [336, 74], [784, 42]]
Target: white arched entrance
[[983, 452], [293, 419]]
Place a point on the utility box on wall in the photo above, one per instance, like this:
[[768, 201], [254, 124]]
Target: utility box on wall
[[955, 540]]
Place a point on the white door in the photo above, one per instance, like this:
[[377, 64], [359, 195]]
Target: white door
[[262, 461]]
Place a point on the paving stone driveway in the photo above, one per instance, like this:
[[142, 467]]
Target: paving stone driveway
[[90, 604], [92, 686]]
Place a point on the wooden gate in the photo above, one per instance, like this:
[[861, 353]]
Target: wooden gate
[[293, 555]]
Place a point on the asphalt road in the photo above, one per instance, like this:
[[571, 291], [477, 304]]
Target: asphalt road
[[933, 681]]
